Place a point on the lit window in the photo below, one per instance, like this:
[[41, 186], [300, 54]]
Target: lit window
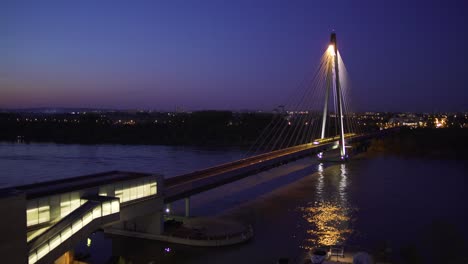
[[66, 233], [97, 212], [32, 216], [76, 226], [54, 242], [153, 188], [106, 208], [32, 258], [69, 202], [115, 206], [42, 251], [87, 218]]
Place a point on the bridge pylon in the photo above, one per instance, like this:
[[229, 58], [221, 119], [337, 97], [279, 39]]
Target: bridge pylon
[[333, 84]]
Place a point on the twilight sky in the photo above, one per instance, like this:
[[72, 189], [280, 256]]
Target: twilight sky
[[229, 54]]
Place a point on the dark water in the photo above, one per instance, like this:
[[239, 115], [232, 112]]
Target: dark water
[[27, 163], [396, 208]]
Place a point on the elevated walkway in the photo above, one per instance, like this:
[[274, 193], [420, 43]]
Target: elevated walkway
[[56, 240]]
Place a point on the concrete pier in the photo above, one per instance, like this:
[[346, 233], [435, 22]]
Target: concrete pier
[[187, 207]]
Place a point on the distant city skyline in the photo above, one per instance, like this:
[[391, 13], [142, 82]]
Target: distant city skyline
[[401, 56]]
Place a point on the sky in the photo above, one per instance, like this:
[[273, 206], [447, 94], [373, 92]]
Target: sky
[[230, 55]]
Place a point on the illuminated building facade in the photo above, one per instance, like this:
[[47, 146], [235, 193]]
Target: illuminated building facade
[[48, 219]]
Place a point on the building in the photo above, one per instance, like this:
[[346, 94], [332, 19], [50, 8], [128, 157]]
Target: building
[[42, 221]]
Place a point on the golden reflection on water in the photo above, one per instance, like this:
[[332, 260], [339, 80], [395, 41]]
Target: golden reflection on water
[[328, 217]]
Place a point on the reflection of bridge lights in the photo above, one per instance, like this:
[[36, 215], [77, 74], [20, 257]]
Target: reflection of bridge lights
[[320, 183], [329, 224], [329, 216], [331, 50], [343, 184]]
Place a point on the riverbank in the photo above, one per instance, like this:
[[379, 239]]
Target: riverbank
[[449, 143]]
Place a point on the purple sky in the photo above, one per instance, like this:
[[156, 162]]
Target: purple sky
[[229, 54]]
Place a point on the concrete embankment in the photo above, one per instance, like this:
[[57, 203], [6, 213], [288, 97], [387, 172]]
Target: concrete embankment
[[206, 232]]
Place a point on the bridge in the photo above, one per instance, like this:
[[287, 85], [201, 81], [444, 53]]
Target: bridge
[[184, 186], [47, 219]]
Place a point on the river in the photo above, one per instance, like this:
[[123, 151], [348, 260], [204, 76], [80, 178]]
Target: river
[[394, 207]]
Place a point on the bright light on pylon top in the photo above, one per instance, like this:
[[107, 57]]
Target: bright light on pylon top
[[331, 50]]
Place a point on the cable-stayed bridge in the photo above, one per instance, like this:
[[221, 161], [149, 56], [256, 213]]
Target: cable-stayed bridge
[[318, 123]]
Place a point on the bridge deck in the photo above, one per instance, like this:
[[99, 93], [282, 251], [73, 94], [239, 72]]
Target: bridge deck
[[199, 181], [192, 183]]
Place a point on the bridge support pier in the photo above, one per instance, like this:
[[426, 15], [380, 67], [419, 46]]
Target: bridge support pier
[[151, 224], [187, 207], [143, 217]]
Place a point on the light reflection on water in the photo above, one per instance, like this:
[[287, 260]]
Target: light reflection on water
[[343, 184], [329, 215]]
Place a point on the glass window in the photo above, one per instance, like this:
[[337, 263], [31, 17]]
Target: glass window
[[146, 187], [32, 216], [54, 242], [43, 250], [106, 208], [32, 213], [32, 258], [140, 190], [76, 226], [64, 204], [74, 201], [119, 192], [44, 210], [126, 192], [115, 206], [69, 202], [153, 188], [65, 234], [44, 214], [87, 218], [133, 190], [97, 212]]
